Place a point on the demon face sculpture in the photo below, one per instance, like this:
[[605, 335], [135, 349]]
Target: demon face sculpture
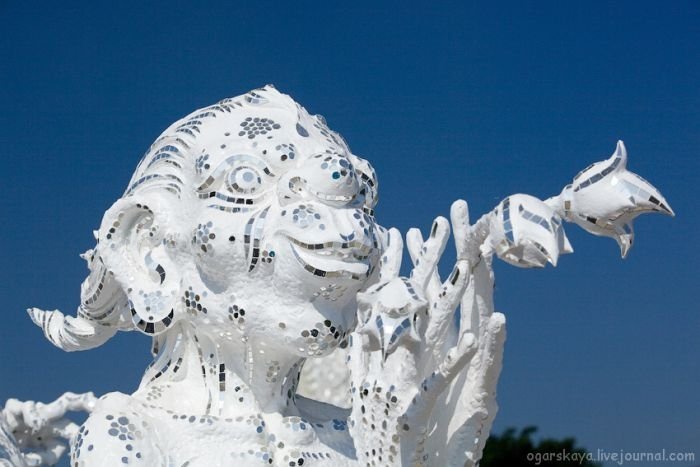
[[246, 244], [279, 224]]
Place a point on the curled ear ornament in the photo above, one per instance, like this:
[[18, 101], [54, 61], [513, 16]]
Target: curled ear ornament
[[137, 245]]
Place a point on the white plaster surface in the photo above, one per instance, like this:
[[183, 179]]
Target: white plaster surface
[[245, 246]]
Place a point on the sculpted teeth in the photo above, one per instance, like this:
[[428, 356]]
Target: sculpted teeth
[[358, 250], [342, 255], [326, 197]]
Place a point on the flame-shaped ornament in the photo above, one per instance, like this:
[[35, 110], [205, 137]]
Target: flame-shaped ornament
[[605, 198]]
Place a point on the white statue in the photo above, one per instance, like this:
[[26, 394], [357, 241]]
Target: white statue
[[246, 244]]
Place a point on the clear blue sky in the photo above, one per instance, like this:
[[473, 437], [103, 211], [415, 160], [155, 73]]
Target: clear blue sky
[[447, 101]]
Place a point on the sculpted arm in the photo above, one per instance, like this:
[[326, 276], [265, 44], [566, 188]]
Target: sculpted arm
[[424, 382]]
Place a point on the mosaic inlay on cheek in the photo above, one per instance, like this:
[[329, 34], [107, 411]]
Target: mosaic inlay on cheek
[[331, 292], [202, 236], [287, 152], [320, 339], [236, 314], [366, 223], [193, 301], [304, 216], [202, 164]]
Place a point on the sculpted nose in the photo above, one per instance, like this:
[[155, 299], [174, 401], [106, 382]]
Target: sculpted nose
[[329, 178]]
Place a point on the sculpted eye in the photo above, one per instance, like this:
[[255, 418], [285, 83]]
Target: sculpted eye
[[241, 179], [244, 180]]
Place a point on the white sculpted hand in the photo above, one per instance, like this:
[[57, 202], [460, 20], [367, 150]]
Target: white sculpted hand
[[402, 311], [408, 350], [40, 431]]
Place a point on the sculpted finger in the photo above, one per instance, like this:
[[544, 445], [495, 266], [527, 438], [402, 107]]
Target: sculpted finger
[[64, 428], [448, 299], [390, 264], [32, 417], [459, 217], [459, 356], [68, 402], [455, 285], [12, 413], [33, 459], [77, 402], [492, 352], [434, 385], [414, 243], [431, 252], [477, 302]]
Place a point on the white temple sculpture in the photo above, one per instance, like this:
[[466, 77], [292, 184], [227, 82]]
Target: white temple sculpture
[[246, 245]]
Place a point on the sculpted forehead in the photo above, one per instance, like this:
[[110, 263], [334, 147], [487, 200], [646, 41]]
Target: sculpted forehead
[[270, 133], [264, 128]]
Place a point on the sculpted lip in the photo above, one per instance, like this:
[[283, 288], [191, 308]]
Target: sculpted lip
[[333, 259]]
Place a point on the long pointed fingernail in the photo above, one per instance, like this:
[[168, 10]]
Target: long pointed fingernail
[[434, 229], [454, 276]]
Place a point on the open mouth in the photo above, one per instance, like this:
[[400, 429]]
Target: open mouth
[[333, 259]]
